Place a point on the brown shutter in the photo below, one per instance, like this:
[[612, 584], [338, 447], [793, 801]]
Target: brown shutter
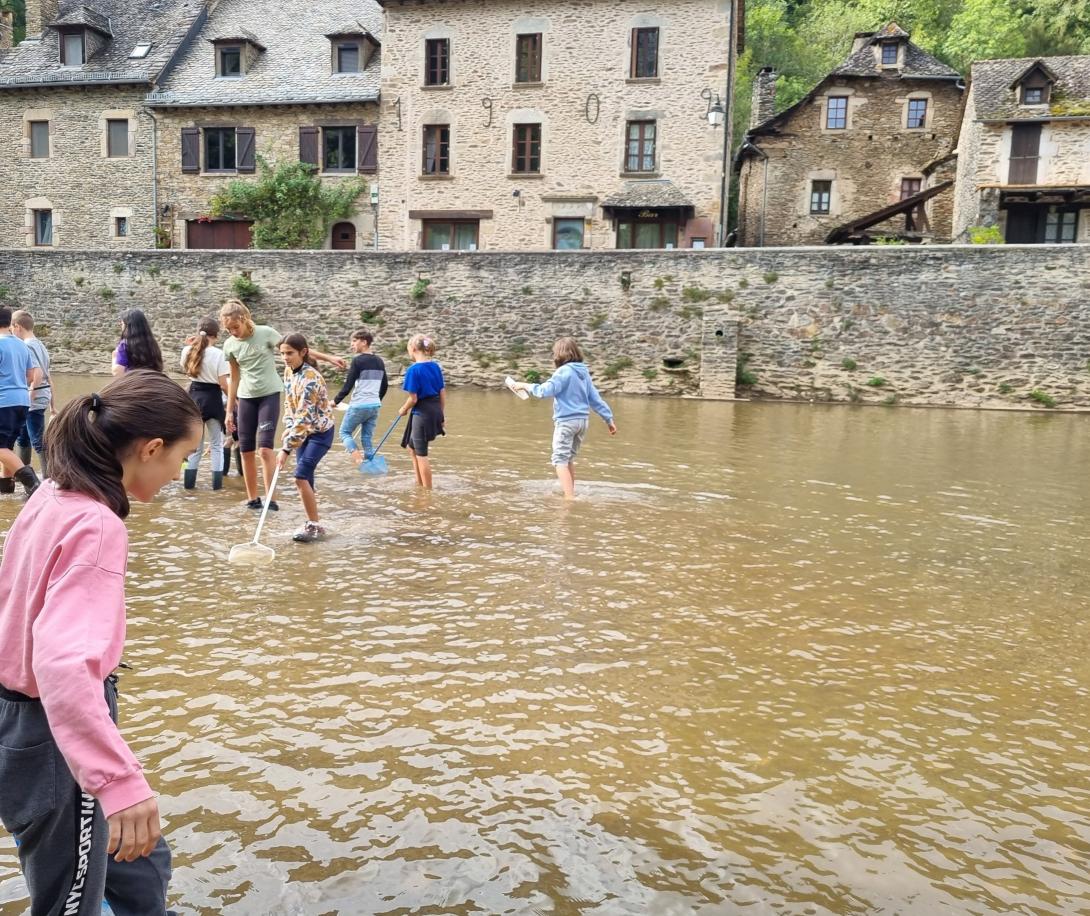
[[308, 145], [367, 141], [1025, 150], [244, 144], [191, 150]]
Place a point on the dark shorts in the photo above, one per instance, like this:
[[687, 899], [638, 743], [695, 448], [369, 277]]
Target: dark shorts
[[310, 453], [33, 433], [12, 420], [256, 423]]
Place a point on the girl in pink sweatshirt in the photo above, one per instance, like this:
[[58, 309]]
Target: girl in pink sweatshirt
[[71, 791]]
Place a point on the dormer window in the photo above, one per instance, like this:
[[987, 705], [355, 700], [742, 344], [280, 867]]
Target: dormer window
[[1034, 86], [81, 33], [236, 54], [1033, 96], [890, 50], [352, 48], [73, 49]]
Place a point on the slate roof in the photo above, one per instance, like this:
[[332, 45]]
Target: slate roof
[[918, 63], [652, 193], [87, 17], [995, 100], [165, 23], [295, 67]]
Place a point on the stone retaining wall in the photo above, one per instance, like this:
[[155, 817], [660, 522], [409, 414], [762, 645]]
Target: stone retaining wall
[[937, 325]]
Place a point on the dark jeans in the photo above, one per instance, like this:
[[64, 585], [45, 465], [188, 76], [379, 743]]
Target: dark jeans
[[312, 451], [33, 433]]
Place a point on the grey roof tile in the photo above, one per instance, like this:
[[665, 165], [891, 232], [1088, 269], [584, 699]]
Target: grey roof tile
[[995, 100], [165, 23], [650, 193], [296, 65], [918, 63], [84, 16]]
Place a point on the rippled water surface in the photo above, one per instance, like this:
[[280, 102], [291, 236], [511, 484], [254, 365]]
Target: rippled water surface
[[777, 659]]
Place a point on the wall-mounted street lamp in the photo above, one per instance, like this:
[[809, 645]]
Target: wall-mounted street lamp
[[716, 113]]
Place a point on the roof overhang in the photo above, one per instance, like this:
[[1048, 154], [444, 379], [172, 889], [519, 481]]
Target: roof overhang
[[1037, 194], [845, 232], [239, 38], [1036, 65], [154, 101]]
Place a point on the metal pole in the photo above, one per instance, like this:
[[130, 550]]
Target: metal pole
[[728, 126]]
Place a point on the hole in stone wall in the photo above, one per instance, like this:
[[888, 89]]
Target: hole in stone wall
[[719, 333], [673, 362]]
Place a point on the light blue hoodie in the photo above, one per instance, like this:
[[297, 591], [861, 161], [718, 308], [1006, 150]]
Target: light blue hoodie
[[574, 392]]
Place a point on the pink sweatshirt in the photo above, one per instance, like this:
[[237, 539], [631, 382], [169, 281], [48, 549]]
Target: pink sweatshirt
[[62, 629]]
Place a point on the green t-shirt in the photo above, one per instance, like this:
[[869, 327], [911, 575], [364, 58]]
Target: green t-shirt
[[256, 358]]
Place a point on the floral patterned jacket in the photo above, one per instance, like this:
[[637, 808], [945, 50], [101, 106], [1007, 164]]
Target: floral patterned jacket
[[308, 409]]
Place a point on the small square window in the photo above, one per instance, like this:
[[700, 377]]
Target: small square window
[[121, 227], [39, 139], [889, 53], [43, 227], [917, 113], [230, 60], [340, 149], [821, 193], [72, 50], [348, 58], [1034, 96], [140, 51], [117, 138], [836, 115]]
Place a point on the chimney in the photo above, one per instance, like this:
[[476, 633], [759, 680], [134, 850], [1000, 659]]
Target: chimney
[[861, 40], [764, 97], [39, 13], [7, 29]]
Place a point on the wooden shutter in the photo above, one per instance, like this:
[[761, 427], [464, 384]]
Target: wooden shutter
[[244, 146], [191, 150], [367, 149], [1025, 151], [308, 145]]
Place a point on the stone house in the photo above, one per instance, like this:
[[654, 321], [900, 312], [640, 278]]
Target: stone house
[[865, 153], [76, 143], [1024, 150], [565, 125], [284, 82]]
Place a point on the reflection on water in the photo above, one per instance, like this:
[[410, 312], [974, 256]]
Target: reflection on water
[[777, 659]]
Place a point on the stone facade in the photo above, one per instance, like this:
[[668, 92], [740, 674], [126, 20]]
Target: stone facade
[[987, 191], [582, 102], [950, 325], [866, 161]]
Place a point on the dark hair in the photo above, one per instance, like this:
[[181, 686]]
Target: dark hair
[[141, 345], [91, 435], [364, 334], [207, 331], [5, 317], [299, 343]]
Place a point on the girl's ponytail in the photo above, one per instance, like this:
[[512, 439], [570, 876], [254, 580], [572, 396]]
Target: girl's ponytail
[[209, 330], [91, 436]]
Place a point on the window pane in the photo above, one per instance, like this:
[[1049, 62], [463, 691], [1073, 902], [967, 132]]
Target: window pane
[[624, 235], [569, 234], [117, 139], [122, 227], [348, 59], [43, 227], [73, 50], [340, 149], [437, 235], [437, 67], [648, 235], [39, 139], [889, 54], [820, 195], [837, 114], [647, 53], [465, 236], [231, 62], [528, 59]]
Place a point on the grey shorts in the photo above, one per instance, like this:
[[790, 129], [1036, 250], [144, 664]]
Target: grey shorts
[[568, 436]]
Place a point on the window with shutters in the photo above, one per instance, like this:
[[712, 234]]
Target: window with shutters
[[220, 149], [528, 58], [437, 62], [821, 194], [645, 54], [640, 146], [117, 138], [43, 227], [338, 149], [39, 139], [836, 113], [367, 148], [436, 149], [348, 57], [917, 114], [1025, 153], [73, 49], [526, 155]]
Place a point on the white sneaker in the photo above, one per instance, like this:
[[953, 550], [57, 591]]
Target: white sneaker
[[309, 533]]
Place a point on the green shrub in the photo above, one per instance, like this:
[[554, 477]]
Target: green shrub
[[771, 277], [533, 376], [174, 287], [690, 311], [154, 271], [41, 330], [118, 268], [888, 240], [849, 364], [1004, 388], [659, 303], [659, 283], [106, 293], [743, 283], [889, 401], [1043, 398], [985, 235], [244, 288], [695, 294], [614, 369], [650, 374], [743, 375], [527, 291], [419, 289], [725, 296], [876, 382]]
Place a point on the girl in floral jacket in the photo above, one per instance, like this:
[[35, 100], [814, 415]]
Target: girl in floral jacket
[[308, 427]]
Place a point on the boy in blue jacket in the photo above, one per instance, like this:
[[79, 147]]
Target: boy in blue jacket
[[574, 396]]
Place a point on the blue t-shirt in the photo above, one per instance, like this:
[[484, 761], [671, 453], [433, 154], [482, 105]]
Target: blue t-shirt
[[425, 379], [15, 361]]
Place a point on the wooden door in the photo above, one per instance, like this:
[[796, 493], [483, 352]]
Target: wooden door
[[219, 233], [1025, 153], [344, 237], [1024, 225]]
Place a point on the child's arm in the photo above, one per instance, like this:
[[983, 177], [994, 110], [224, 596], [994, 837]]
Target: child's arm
[[326, 358], [443, 406], [232, 394], [549, 389], [600, 407], [410, 403], [349, 383], [301, 424], [384, 385]]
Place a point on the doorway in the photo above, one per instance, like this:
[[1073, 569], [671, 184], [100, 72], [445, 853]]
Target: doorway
[[344, 237]]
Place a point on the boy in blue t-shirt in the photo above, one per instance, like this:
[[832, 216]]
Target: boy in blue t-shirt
[[426, 405], [18, 374]]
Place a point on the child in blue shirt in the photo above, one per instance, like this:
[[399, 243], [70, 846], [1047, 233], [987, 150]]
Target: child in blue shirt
[[574, 397], [426, 405]]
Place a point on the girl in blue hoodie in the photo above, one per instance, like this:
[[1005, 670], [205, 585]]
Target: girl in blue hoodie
[[574, 396]]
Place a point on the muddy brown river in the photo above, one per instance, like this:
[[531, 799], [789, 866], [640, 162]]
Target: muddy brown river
[[776, 659]]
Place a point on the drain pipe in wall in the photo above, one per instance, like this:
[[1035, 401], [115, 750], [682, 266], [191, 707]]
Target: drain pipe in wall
[[155, 176]]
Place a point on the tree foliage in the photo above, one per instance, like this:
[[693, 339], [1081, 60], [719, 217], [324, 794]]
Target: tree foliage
[[289, 204], [18, 7]]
